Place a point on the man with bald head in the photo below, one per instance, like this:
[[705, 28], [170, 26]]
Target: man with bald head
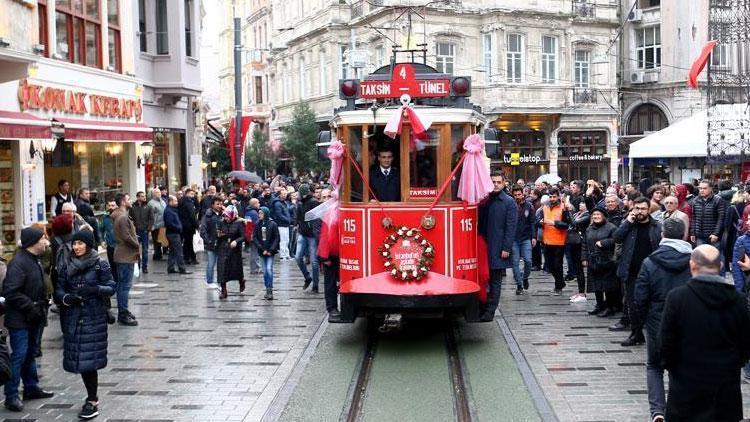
[[704, 343]]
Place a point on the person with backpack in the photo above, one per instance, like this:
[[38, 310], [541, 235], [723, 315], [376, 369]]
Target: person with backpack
[[266, 239], [85, 285]]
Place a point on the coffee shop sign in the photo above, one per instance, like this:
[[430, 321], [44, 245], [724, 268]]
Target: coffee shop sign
[[586, 157], [37, 97]]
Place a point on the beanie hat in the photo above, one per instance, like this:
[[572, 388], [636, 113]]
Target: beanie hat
[[84, 236], [601, 210], [266, 212], [230, 212], [304, 189], [30, 236], [62, 225]]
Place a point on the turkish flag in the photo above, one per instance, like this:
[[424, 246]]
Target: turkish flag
[[231, 138], [700, 63]]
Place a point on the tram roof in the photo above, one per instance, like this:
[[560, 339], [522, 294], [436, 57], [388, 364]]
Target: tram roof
[[435, 114]]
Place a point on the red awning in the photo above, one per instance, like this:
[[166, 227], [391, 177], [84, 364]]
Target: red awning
[[96, 131], [18, 125]]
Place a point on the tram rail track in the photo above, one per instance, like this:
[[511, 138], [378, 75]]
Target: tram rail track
[[459, 387]]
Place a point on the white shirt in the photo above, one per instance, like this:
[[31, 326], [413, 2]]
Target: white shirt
[[385, 171]]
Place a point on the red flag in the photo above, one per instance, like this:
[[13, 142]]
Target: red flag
[[700, 63], [231, 140]]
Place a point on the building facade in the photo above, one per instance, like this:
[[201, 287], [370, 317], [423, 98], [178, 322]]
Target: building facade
[[659, 43], [532, 66], [167, 64], [70, 105]]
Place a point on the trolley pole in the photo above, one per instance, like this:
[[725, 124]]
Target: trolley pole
[[237, 93]]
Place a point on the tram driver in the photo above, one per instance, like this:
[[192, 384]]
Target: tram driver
[[385, 179]]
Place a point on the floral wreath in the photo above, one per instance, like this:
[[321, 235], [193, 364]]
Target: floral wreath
[[426, 258]]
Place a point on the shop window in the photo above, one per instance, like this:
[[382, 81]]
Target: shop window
[[646, 118], [7, 198], [113, 20], [162, 28], [78, 29], [591, 170], [423, 161], [582, 143], [525, 143]]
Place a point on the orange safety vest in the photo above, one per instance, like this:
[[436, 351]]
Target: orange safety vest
[[551, 235]]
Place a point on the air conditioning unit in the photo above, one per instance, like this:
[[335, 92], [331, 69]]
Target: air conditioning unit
[[636, 77], [635, 16], [641, 77], [650, 77]]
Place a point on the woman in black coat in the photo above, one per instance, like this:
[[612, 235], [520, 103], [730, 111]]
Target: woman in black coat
[[266, 239], [84, 286], [229, 241], [598, 257]]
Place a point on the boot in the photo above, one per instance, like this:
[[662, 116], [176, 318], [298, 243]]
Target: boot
[[268, 295], [223, 294], [242, 285], [596, 310], [636, 338]]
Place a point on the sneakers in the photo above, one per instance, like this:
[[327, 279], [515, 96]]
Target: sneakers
[[581, 297], [89, 411], [268, 295], [308, 281], [37, 394], [212, 286], [519, 291], [557, 292], [619, 326]]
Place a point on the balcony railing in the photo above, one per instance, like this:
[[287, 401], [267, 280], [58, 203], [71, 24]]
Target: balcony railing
[[358, 9], [584, 9], [584, 96]]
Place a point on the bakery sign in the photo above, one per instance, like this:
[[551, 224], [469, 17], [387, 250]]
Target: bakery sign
[[38, 97]]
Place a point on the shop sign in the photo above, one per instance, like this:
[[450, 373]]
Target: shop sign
[[515, 159], [586, 157], [38, 97]]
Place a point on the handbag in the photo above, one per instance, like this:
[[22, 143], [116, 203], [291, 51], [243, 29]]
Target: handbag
[[572, 237], [162, 238]]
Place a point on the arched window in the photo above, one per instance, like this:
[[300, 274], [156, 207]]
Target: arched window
[[646, 118]]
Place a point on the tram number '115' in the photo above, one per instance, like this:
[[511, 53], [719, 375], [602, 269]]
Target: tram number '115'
[[350, 225], [467, 224]]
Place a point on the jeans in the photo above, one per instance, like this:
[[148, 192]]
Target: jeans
[[210, 266], [309, 246], [521, 251], [125, 275], [175, 252], [493, 296], [254, 259], [24, 345], [630, 309], [143, 240], [575, 256], [553, 257], [572, 264], [330, 284], [283, 242], [267, 262], [657, 401]]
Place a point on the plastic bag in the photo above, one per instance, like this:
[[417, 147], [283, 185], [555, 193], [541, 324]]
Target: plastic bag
[[198, 243], [136, 270]]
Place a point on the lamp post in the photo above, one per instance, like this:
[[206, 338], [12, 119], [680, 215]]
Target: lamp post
[[237, 92]]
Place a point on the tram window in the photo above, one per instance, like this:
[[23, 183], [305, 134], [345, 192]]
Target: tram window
[[355, 147], [458, 134], [387, 188], [423, 159]]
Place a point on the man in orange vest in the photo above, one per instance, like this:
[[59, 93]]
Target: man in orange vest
[[554, 221]]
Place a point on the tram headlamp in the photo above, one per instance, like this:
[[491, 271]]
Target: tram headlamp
[[348, 89], [461, 87]]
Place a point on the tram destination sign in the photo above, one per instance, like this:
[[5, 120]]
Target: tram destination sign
[[404, 81]]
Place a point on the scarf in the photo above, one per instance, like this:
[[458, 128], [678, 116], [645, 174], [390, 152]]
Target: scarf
[[81, 264]]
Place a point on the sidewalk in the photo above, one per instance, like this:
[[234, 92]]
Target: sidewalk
[[192, 357]]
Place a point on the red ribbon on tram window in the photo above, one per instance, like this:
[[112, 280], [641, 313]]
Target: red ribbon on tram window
[[700, 63]]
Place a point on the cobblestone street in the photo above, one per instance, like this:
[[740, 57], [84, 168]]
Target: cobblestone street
[[194, 358]]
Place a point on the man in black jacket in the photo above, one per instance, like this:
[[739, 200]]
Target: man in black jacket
[[639, 235], [209, 233], [307, 241], [174, 235], [524, 241], [665, 269], [704, 343], [384, 178], [25, 315], [280, 215], [708, 217], [143, 219], [84, 209], [189, 220]]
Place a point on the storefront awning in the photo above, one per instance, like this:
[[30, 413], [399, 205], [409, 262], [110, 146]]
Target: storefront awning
[[18, 125], [95, 131]]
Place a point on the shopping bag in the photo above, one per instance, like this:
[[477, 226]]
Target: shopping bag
[[197, 243], [162, 238], [136, 270]]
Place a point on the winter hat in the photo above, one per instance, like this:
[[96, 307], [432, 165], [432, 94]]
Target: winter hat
[[84, 236], [62, 225], [230, 212], [266, 212], [601, 210], [29, 237], [304, 189]]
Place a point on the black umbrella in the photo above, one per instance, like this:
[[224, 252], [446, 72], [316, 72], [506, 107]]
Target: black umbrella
[[247, 176]]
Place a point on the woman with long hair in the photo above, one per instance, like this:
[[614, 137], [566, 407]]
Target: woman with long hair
[[83, 289]]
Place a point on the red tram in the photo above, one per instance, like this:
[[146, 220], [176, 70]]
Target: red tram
[[417, 252]]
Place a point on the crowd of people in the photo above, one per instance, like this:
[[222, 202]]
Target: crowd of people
[[654, 254]]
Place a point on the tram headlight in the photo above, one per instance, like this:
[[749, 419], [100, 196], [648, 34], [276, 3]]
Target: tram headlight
[[461, 87], [348, 89]]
